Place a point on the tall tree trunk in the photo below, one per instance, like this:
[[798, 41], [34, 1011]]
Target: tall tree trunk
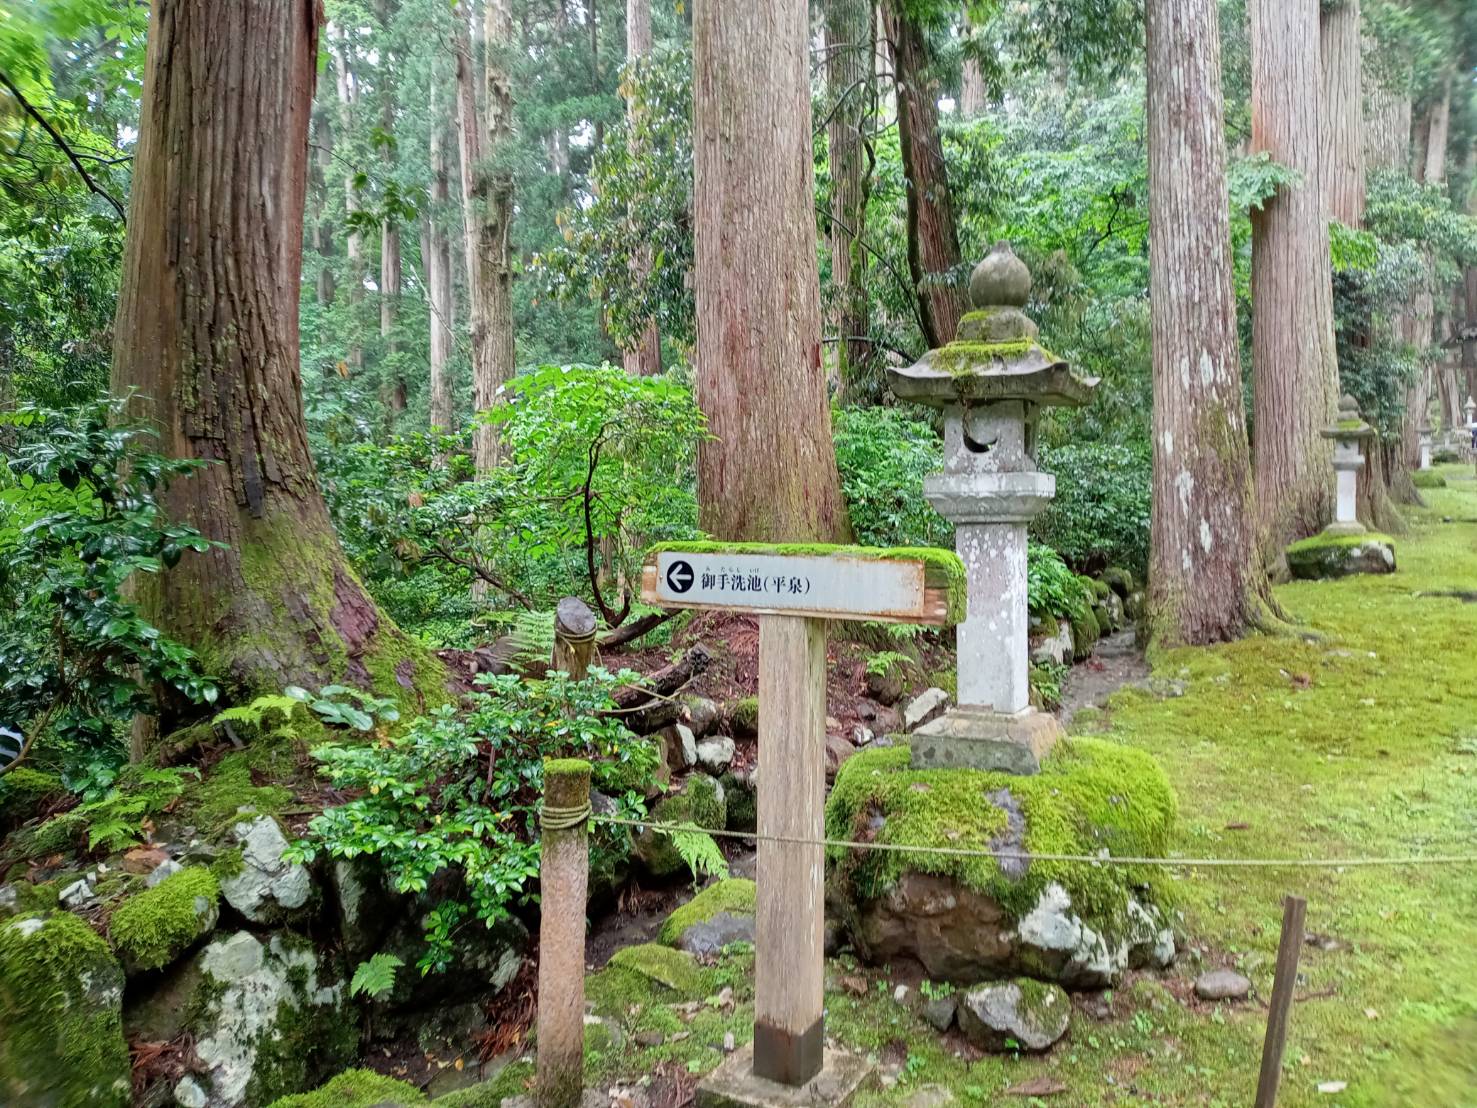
[[933, 242], [644, 357], [1341, 134], [971, 83], [323, 225], [769, 470], [439, 278], [1205, 574], [487, 202], [1294, 365], [1437, 132], [207, 335], [850, 31], [390, 264], [354, 254]]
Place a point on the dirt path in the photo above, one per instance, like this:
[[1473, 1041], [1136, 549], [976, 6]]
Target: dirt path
[[1116, 662]]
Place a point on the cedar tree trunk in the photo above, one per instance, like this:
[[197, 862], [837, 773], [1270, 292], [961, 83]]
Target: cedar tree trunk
[[849, 31], [644, 357]]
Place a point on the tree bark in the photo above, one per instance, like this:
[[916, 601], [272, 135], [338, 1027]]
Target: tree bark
[[933, 241], [390, 263], [487, 203], [769, 470], [1205, 574], [1294, 364], [1387, 128], [354, 253], [644, 357], [971, 84], [324, 288], [439, 278], [1341, 134], [1438, 133], [207, 336], [849, 34]]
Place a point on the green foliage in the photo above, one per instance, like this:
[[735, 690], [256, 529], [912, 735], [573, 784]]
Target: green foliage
[[115, 820], [884, 663], [1100, 515], [699, 852], [883, 454], [79, 515], [355, 1088], [1053, 590], [343, 706], [460, 793], [376, 976]]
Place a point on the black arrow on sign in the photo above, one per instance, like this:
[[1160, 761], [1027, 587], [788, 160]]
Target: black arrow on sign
[[680, 576]]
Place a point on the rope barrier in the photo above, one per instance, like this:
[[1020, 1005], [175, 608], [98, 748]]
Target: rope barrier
[[563, 819], [1103, 859]]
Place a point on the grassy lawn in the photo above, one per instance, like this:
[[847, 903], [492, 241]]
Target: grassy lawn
[[1361, 743]]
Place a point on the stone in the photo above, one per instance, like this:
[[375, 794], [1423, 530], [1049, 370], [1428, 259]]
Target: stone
[[700, 714], [483, 960], [1112, 605], [742, 800], [267, 889], [365, 908], [743, 717], [143, 859], [733, 1084], [1222, 984], [153, 928], [861, 736], [1025, 1015], [925, 707], [715, 754], [271, 1018], [929, 1096], [886, 687], [1120, 581], [1331, 556], [1134, 607], [838, 749], [701, 801], [938, 1012], [887, 720], [974, 738], [165, 869], [681, 746], [61, 1031], [9, 899], [721, 914], [1054, 649], [78, 894]]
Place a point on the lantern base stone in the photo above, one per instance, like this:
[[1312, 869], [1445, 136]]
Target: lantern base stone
[[734, 1084], [978, 738]]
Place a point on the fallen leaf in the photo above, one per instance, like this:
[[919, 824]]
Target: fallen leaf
[[1332, 1086], [1037, 1086], [856, 986]]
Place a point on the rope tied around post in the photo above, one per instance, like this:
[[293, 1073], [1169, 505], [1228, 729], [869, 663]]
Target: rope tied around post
[[564, 819]]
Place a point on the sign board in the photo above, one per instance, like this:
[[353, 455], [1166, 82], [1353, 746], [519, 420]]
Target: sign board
[[822, 586]]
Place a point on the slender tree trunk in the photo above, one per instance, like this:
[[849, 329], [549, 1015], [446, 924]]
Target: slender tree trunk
[[644, 357], [849, 34], [769, 470], [1205, 574], [1438, 133], [1341, 134], [933, 242], [354, 255], [390, 262], [487, 202], [971, 84], [207, 335], [323, 225], [1294, 365], [439, 278]]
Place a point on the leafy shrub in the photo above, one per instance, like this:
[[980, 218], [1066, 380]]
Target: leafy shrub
[[1053, 590], [1100, 516], [80, 513], [460, 793], [883, 455]]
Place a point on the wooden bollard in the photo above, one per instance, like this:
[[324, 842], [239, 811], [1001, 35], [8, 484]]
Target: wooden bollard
[[1284, 984], [563, 881], [574, 637]]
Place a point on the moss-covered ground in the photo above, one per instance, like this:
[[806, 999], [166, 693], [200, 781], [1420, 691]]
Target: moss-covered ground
[[1360, 743]]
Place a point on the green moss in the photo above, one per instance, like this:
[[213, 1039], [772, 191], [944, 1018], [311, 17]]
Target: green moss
[[697, 803], [942, 569], [734, 896], [155, 927], [967, 357], [1338, 542], [228, 864], [60, 1008], [1425, 479], [513, 1080], [744, 716], [356, 1088], [1090, 796], [570, 767], [303, 1042], [647, 974], [742, 802], [60, 834], [706, 802], [215, 803], [22, 792], [1119, 580]]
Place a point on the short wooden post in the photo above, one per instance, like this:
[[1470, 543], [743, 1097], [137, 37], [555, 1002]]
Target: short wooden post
[[563, 882], [1284, 984], [574, 637], [789, 978]]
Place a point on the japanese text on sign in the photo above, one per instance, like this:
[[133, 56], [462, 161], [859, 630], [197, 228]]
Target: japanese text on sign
[[857, 587]]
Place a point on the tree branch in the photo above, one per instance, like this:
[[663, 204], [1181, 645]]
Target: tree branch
[[65, 148]]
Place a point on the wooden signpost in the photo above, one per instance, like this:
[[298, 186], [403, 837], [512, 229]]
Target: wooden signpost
[[794, 590]]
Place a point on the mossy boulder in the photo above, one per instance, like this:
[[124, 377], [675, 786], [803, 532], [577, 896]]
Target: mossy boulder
[[741, 798], [1120, 581], [267, 888], [1085, 634], [701, 802], [721, 914], [1327, 556], [268, 1018], [154, 927], [743, 717], [22, 793], [647, 974], [356, 1088], [1005, 913], [1023, 1015], [60, 834], [61, 1029]]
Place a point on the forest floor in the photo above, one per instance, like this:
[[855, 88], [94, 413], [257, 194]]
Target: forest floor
[[1356, 739]]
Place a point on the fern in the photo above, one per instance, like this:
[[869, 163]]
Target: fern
[[375, 977], [255, 713], [531, 638], [699, 852]]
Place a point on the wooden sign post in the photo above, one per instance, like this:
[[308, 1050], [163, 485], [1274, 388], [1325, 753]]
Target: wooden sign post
[[794, 590]]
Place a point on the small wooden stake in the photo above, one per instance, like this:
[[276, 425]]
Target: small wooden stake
[[789, 1038], [1284, 984], [563, 882], [574, 637]]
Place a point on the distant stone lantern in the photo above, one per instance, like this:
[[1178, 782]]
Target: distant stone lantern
[[1349, 433], [1470, 407], [991, 383], [1426, 444]]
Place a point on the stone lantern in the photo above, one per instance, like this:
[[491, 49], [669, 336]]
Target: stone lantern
[[991, 383], [1349, 433], [1426, 444], [1470, 407]]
